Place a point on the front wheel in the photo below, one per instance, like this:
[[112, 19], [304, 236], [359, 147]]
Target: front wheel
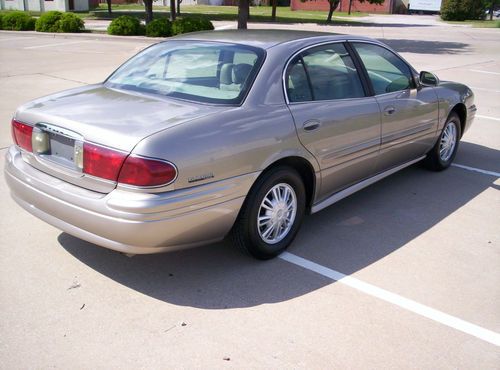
[[442, 154], [271, 215]]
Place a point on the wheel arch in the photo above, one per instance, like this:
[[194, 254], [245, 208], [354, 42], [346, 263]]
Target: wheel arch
[[305, 170], [461, 110]]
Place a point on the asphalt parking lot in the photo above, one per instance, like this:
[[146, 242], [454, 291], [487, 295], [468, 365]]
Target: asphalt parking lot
[[404, 274]]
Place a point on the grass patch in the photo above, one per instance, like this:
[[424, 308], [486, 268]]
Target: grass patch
[[228, 13], [479, 24]]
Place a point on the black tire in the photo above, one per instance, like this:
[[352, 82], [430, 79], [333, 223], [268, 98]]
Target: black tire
[[434, 160], [246, 233]]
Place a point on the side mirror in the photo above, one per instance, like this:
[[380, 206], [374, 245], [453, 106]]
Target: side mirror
[[428, 79]]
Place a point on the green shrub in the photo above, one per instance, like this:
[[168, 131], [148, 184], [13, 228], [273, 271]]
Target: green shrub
[[48, 22], [1, 20], [55, 21], [17, 21], [70, 22], [191, 24], [160, 27], [125, 25], [461, 10]]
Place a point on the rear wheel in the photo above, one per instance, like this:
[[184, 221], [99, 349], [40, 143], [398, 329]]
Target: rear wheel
[[271, 215], [442, 154]]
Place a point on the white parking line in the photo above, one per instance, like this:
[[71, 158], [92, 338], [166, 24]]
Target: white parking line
[[474, 169], [487, 72], [487, 117], [483, 89], [58, 44], [415, 307]]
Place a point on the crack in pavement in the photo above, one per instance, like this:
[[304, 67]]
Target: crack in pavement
[[46, 75]]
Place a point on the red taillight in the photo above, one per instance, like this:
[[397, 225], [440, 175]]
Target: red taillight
[[102, 162], [130, 170], [21, 134], [139, 171]]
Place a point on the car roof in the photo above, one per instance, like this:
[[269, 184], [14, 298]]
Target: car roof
[[264, 39]]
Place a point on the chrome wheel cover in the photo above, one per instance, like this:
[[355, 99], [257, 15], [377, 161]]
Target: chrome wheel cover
[[277, 213], [448, 141]]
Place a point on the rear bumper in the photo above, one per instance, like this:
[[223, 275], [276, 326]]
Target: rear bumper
[[129, 222]]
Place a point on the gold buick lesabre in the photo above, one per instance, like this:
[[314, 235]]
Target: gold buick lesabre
[[229, 133]]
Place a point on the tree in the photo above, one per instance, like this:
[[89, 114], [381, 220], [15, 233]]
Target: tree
[[148, 5], [461, 10], [179, 7], [243, 14], [273, 13], [491, 6], [172, 10], [334, 4]]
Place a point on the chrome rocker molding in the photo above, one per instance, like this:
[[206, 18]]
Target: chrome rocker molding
[[360, 185]]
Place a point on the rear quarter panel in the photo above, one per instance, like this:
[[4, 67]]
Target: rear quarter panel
[[240, 141]]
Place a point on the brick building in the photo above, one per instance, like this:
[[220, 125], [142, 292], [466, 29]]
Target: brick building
[[388, 7]]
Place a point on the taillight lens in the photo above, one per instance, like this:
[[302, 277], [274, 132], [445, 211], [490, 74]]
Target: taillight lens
[[113, 165], [21, 134], [140, 171], [102, 162]]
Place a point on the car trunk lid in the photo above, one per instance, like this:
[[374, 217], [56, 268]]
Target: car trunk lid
[[96, 114]]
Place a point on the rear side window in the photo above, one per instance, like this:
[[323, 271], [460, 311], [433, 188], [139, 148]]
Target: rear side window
[[323, 73], [297, 84], [387, 72]]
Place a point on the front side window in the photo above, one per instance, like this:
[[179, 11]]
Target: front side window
[[324, 72], [199, 71], [387, 72]]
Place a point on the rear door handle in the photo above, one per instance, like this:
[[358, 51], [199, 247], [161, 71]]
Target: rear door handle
[[389, 111], [311, 125]]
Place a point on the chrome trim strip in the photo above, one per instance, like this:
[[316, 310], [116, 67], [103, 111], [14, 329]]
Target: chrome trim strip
[[59, 131], [373, 144], [404, 134], [360, 185]]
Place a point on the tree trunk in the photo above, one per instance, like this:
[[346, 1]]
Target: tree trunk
[[243, 14], [333, 6], [172, 10], [178, 7], [492, 8], [273, 14], [350, 7], [109, 6], [148, 4]]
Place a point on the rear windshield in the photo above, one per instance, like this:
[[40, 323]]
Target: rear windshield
[[206, 72]]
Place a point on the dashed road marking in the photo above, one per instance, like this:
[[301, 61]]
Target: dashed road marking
[[408, 304]]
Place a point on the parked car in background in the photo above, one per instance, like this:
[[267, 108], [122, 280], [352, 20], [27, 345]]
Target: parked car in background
[[229, 132]]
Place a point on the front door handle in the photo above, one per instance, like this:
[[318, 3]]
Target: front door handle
[[388, 111], [311, 125]]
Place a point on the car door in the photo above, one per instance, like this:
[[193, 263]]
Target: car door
[[409, 114], [335, 119]]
